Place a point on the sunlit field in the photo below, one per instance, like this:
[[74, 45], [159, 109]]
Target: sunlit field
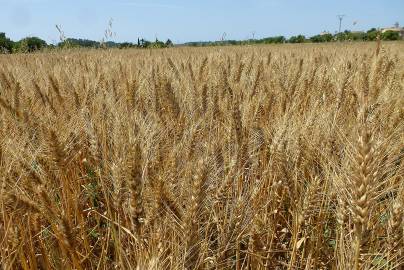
[[253, 157]]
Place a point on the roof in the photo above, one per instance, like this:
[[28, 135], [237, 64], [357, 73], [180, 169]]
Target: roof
[[325, 33], [394, 29]]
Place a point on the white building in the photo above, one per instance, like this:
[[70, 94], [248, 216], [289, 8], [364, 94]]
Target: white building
[[395, 28]]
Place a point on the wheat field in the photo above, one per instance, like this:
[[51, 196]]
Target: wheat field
[[255, 157]]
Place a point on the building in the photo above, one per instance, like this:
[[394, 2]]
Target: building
[[325, 33], [395, 28]]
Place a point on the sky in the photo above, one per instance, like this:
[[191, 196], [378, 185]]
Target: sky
[[187, 20]]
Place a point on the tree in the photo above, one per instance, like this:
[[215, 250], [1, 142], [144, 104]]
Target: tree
[[126, 45], [390, 35], [297, 39], [358, 36], [372, 34], [322, 38], [268, 40], [342, 36], [157, 44], [145, 43], [142, 43], [169, 43], [6, 45], [73, 43], [29, 44]]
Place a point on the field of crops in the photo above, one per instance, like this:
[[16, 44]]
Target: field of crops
[[254, 157]]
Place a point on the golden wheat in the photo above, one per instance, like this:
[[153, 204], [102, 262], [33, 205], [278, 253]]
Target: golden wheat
[[203, 158]]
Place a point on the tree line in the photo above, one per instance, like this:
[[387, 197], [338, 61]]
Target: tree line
[[31, 44], [347, 35]]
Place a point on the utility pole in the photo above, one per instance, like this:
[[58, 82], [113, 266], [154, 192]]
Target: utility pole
[[340, 18], [224, 36]]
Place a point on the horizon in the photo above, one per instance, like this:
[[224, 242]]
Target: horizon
[[183, 22]]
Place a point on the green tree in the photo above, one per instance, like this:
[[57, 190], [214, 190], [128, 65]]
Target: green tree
[[390, 35], [29, 44], [297, 39], [358, 36], [6, 45], [269, 40], [372, 34], [74, 42], [322, 38], [145, 43], [126, 45], [343, 36], [169, 43]]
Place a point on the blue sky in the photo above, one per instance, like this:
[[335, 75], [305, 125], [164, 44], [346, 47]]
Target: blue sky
[[187, 20]]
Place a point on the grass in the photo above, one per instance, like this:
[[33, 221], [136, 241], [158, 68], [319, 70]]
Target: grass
[[259, 157]]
